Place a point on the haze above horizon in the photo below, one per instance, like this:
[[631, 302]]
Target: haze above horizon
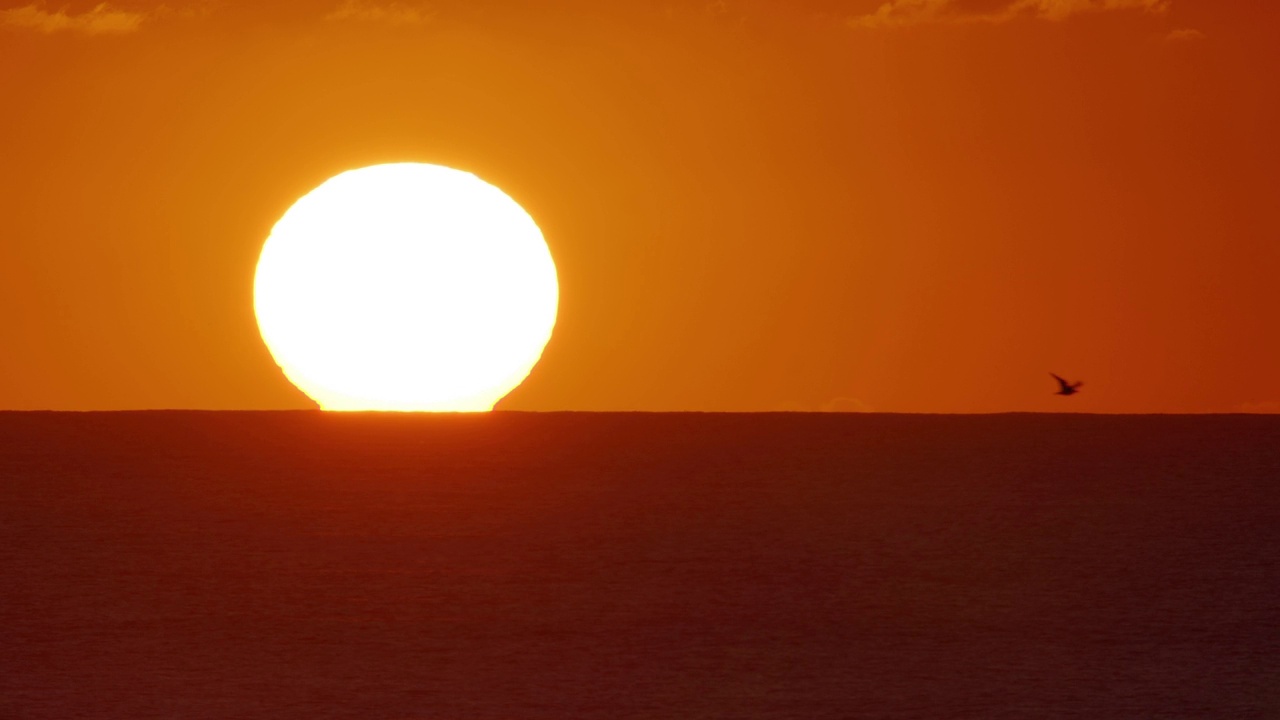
[[752, 205]]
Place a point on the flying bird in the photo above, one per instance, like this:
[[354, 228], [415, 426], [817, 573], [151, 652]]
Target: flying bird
[[1067, 388]]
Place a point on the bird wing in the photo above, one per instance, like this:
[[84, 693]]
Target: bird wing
[[1065, 385], [1077, 384]]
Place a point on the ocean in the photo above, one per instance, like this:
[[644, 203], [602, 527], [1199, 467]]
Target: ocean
[[511, 566]]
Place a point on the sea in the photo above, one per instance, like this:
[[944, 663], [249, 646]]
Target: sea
[[655, 566]]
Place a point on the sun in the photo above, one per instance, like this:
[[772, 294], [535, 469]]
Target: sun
[[408, 287]]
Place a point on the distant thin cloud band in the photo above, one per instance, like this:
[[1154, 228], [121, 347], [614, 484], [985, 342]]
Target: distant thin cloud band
[[101, 20], [901, 13]]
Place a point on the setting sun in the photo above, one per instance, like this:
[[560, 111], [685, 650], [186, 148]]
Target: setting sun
[[911, 359], [407, 287]]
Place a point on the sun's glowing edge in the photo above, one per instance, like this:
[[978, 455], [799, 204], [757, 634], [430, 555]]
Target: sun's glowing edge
[[538, 309]]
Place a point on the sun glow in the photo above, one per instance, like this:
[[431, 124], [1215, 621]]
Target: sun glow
[[406, 287]]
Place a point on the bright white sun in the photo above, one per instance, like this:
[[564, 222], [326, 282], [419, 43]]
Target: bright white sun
[[406, 287]]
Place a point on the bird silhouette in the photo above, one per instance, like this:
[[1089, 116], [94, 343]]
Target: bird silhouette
[[1067, 388]]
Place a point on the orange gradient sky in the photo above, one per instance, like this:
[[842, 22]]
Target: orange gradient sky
[[924, 206]]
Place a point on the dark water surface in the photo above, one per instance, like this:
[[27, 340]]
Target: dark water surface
[[512, 566]]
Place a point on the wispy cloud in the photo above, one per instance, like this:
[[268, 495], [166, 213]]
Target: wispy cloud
[[392, 13], [900, 13], [897, 13], [1063, 9], [1185, 35], [101, 20]]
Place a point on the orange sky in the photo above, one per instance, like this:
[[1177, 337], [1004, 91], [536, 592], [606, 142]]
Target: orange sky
[[753, 205]]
